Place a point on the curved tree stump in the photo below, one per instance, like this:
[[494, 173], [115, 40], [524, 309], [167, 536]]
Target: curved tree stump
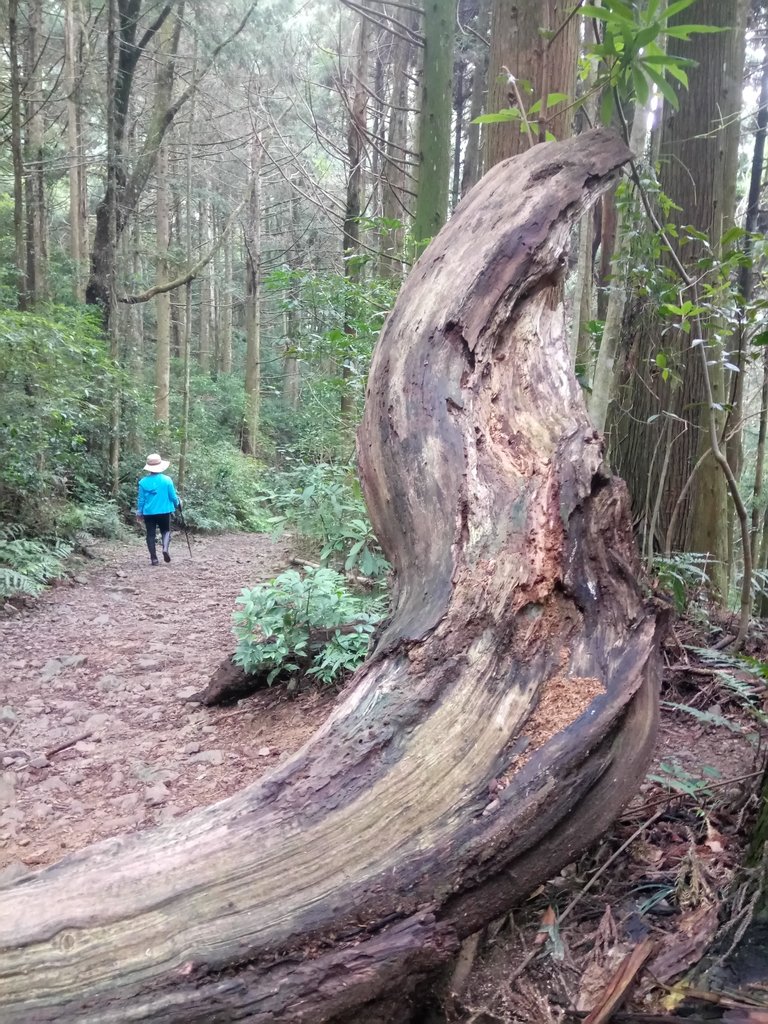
[[505, 717]]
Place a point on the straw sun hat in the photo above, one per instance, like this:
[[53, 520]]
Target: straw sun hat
[[155, 464]]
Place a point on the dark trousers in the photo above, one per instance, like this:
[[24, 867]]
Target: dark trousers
[[153, 524]]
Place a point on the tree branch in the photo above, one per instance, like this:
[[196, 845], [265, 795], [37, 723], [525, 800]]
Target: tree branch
[[407, 35], [190, 275], [153, 29], [146, 159]]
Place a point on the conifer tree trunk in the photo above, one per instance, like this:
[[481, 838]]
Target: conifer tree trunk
[[698, 150], [252, 235], [37, 220], [399, 165], [529, 42], [435, 119], [163, 299], [225, 315], [206, 301], [78, 241], [473, 153], [357, 102], [459, 76], [290, 390], [506, 715], [17, 152]]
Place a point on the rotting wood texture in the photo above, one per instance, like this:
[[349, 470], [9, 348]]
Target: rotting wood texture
[[504, 718]]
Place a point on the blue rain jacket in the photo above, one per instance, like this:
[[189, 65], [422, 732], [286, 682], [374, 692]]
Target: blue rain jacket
[[157, 495]]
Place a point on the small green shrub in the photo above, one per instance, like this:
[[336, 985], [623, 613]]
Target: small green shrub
[[684, 575], [323, 505], [310, 624], [97, 516]]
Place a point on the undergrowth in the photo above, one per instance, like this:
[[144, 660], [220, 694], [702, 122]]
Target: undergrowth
[[27, 566], [303, 625], [323, 507]]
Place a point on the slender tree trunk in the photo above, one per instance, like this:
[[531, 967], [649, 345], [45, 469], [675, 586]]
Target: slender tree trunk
[[604, 383], [163, 299], [186, 356], [395, 172], [473, 154], [205, 286], [357, 102], [746, 287], [175, 242], [225, 315], [17, 151], [110, 309], [37, 219], [435, 119], [253, 304], [290, 392], [459, 73], [581, 336], [75, 156]]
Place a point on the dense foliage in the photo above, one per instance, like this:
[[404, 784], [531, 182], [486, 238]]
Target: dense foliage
[[298, 625]]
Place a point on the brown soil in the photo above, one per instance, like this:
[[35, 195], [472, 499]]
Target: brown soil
[[113, 654]]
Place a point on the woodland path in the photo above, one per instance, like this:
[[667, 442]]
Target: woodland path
[[114, 652]]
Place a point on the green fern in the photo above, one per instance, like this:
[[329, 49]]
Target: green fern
[[27, 566]]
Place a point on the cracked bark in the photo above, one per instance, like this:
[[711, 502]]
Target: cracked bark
[[505, 716]]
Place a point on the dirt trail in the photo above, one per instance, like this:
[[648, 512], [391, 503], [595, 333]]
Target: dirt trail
[[113, 654]]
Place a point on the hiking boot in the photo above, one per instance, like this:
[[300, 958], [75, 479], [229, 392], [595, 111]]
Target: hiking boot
[[166, 556], [154, 562]]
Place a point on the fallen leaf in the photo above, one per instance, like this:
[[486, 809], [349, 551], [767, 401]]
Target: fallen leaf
[[546, 925]]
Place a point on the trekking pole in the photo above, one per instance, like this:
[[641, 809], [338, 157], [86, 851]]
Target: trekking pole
[[184, 528]]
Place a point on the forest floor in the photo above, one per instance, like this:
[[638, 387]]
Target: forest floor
[[101, 667], [98, 738]]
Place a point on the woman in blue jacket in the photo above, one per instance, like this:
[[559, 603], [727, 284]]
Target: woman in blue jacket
[[157, 499]]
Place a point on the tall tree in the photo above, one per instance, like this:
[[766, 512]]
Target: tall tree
[[662, 446], [357, 103], [252, 238], [37, 218], [78, 241], [17, 152], [163, 298], [534, 50], [435, 119]]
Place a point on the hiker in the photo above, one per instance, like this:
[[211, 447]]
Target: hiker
[[157, 499]]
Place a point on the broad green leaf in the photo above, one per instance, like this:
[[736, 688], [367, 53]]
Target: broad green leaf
[[641, 86], [619, 8], [685, 31], [663, 86], [677, 72], [732, 235], [606, 107], [500, 117], [646, 36]]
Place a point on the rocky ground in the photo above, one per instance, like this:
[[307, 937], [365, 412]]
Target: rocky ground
[[96, 736]]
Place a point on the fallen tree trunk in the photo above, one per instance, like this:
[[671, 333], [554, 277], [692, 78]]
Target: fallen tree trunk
[[506, 714]]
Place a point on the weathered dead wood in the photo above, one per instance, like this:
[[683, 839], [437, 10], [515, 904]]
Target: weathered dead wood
[[505, 717], [228, 683]]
